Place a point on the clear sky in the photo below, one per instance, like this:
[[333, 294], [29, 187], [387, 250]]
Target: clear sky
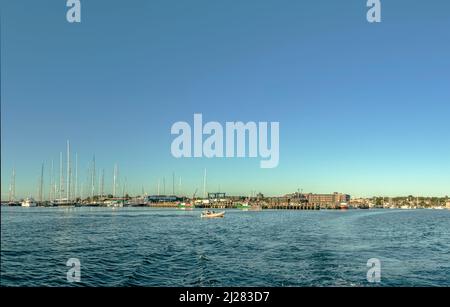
[[363, 108]]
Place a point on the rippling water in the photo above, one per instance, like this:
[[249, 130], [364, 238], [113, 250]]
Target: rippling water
[[168, 247]]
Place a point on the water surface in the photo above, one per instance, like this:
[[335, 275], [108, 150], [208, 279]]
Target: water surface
[[170, 247]]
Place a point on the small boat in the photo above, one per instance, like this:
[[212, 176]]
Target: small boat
[[343, 206], [243, 206], [185, 206], [29, 202], [114, 204], [212, 214]]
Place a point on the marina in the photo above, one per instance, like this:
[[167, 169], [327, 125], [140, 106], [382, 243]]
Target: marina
[[65, 189], [215, 144]]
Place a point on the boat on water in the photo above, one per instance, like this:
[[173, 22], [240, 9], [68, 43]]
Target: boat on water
[[114, 204], [63, 202], [186, 206], [12, 204], [211, 214], [343, 206], [28, 202], [243, 206], [248, 207]]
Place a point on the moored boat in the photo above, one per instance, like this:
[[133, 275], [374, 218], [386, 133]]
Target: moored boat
[[29, 202], [243, 206], [186, 206], [114, 203], [343, 206]]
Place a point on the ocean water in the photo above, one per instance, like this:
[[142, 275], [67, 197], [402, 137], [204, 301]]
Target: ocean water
[[170, 247]]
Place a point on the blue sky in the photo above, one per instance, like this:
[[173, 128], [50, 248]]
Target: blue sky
[[363, 108]]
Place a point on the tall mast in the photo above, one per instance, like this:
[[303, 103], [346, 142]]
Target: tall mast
[[204, 184], [55, 185], [60, 175], [76, 175], [115, 180], [99, 184], [93, 178], [12, 185], [124, 188], [41, 184], [50, 195], [68, 172], [159, 183], [173, 183], [103, 182], [10, 190]]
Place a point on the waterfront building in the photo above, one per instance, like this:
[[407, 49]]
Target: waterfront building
[[327, 199], [323, 200]]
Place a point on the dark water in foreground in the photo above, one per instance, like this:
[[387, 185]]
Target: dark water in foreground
[[155, 247]]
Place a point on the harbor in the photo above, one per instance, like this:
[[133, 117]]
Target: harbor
[[63, 187], [286, 202]]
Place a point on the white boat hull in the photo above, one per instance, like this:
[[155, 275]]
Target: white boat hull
[[28, 204], [213, 215]]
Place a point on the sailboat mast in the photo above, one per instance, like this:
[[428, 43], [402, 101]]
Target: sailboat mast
[[103, 182], [60, 175], [68, 172], [50, 192], [99, 184], [204, 184], [76, 175], [12, 185], [93, 178], [41, 184], [115, 180]]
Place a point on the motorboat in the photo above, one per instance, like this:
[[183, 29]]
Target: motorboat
[[28, 202], [212, 214]]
